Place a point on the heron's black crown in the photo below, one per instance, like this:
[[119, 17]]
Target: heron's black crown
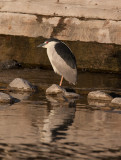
[[52, 39]]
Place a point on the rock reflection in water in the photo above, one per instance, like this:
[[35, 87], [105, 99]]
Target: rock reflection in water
[[4, 105], [58, 132], [98, 103], [21, 95], [60, 99]]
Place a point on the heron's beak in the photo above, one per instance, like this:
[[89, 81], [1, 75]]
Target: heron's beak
[[41, 45]]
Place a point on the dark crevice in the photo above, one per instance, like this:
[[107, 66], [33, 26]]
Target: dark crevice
[[59, 28]]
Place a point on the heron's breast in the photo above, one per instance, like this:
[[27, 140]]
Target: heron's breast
[[53, 56]]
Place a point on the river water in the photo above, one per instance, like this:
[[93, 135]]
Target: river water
[[42, 127]]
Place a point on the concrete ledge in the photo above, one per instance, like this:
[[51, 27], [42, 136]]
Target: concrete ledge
[[72, 29], [87, 9], [85, 21], [26, 25], [102, 31]]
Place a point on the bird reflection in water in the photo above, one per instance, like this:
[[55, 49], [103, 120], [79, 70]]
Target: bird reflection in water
[[61, 116]]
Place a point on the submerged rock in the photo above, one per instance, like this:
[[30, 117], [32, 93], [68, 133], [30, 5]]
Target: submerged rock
[[116, 101], [100, 95], [5, 98], [21, 85]]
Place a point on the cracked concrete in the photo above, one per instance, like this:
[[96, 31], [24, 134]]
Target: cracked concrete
[[87, 21]]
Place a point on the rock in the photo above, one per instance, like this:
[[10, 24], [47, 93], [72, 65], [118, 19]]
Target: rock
[[55, 89], [116, 101], [99, 95], [5, 98], [21, 85], [9, 64]]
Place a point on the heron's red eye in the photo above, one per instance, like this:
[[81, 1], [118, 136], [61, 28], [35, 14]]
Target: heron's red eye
[[46, 42]]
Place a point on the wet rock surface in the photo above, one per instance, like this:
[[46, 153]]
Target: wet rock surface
[[5, 98], [21, 85], [99, 95]]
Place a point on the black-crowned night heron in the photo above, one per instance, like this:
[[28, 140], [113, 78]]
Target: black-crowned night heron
[[61, 59]]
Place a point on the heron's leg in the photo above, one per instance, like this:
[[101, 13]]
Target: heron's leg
[[61, 81]]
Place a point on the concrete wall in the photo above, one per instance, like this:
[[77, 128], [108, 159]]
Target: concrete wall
[[83, 20]]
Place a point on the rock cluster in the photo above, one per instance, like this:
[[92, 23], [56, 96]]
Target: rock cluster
[[100, 98], [19, 85], [58, 94]]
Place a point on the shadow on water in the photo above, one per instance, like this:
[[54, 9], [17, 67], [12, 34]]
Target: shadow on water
[[53, 127]]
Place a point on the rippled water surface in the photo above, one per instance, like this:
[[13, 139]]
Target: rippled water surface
[[43, 127]]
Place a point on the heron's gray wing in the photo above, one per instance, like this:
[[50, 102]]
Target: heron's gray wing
[[65, 53], [62, 68]]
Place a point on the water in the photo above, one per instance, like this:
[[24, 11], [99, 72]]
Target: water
[[40, 127]]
